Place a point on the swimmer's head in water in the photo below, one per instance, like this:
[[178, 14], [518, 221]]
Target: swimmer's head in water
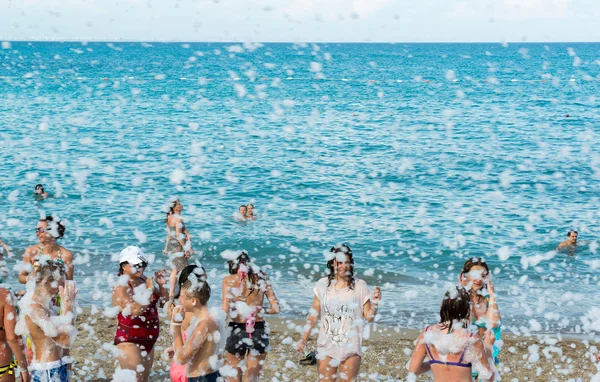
[[474, 272], [49, 229], [39, 189], [342, 263], [243, 210], [572, 235], [455, 308], [50, 274], [250, 208]]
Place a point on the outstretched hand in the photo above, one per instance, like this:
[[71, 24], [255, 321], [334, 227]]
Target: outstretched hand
[[160, 277], [177, 315], [68, 292], [376, 296], [490, 285]]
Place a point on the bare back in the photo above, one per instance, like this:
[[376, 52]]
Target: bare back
[[244, 298], [454, 355], [46, 348]]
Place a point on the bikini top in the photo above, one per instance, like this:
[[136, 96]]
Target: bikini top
[[459, 363], [58, 254]]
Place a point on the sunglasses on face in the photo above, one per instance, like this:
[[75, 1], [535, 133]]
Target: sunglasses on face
[[41, 230], [140, 265]]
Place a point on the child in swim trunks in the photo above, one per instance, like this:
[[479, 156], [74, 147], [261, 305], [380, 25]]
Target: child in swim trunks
[[51, 333], [202, 351]]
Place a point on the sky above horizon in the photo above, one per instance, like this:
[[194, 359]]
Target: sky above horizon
[[301, 20]]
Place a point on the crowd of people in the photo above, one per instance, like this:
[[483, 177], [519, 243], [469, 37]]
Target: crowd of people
[[230, 343]]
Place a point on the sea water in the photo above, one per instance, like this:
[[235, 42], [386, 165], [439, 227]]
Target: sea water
[[418, 156]]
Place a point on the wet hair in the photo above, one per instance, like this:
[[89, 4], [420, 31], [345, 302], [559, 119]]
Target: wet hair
[[40, 187], [243, 205], [183, 277], [52, 269], [570, 232], [171, 207], [250, 204], [456, 307], [195, 284], [243, 258], [343, 248], [60, 227]]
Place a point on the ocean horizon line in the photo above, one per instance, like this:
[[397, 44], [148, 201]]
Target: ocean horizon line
[[90, 40]]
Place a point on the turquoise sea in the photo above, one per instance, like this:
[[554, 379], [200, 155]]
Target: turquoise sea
[[416, 155]]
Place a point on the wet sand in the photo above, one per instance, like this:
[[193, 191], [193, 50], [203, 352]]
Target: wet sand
[[385, 356]]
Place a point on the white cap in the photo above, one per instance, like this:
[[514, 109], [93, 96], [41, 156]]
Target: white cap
[[132, 255]]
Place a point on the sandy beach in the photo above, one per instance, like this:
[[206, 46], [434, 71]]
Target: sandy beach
[[543, 358]]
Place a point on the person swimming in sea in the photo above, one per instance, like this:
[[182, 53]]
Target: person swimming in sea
[[250, 212], [570, 244], [242, 213], [39, 192]]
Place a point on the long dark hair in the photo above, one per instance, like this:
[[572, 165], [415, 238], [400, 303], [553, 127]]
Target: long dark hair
[[184, 279], [171, 207], [342, 248], [253, 276], [456, 306]]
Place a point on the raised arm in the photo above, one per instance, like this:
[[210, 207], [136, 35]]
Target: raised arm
[[372, 305], [492, 317], [122, 298], [163, 290], [416, 364], [270, 293], [311, 322]]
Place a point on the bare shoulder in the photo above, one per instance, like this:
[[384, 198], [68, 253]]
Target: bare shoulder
[[174, 220], [229, 280], [209, 325], [31, 251], [67, 255], [120, 290]]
